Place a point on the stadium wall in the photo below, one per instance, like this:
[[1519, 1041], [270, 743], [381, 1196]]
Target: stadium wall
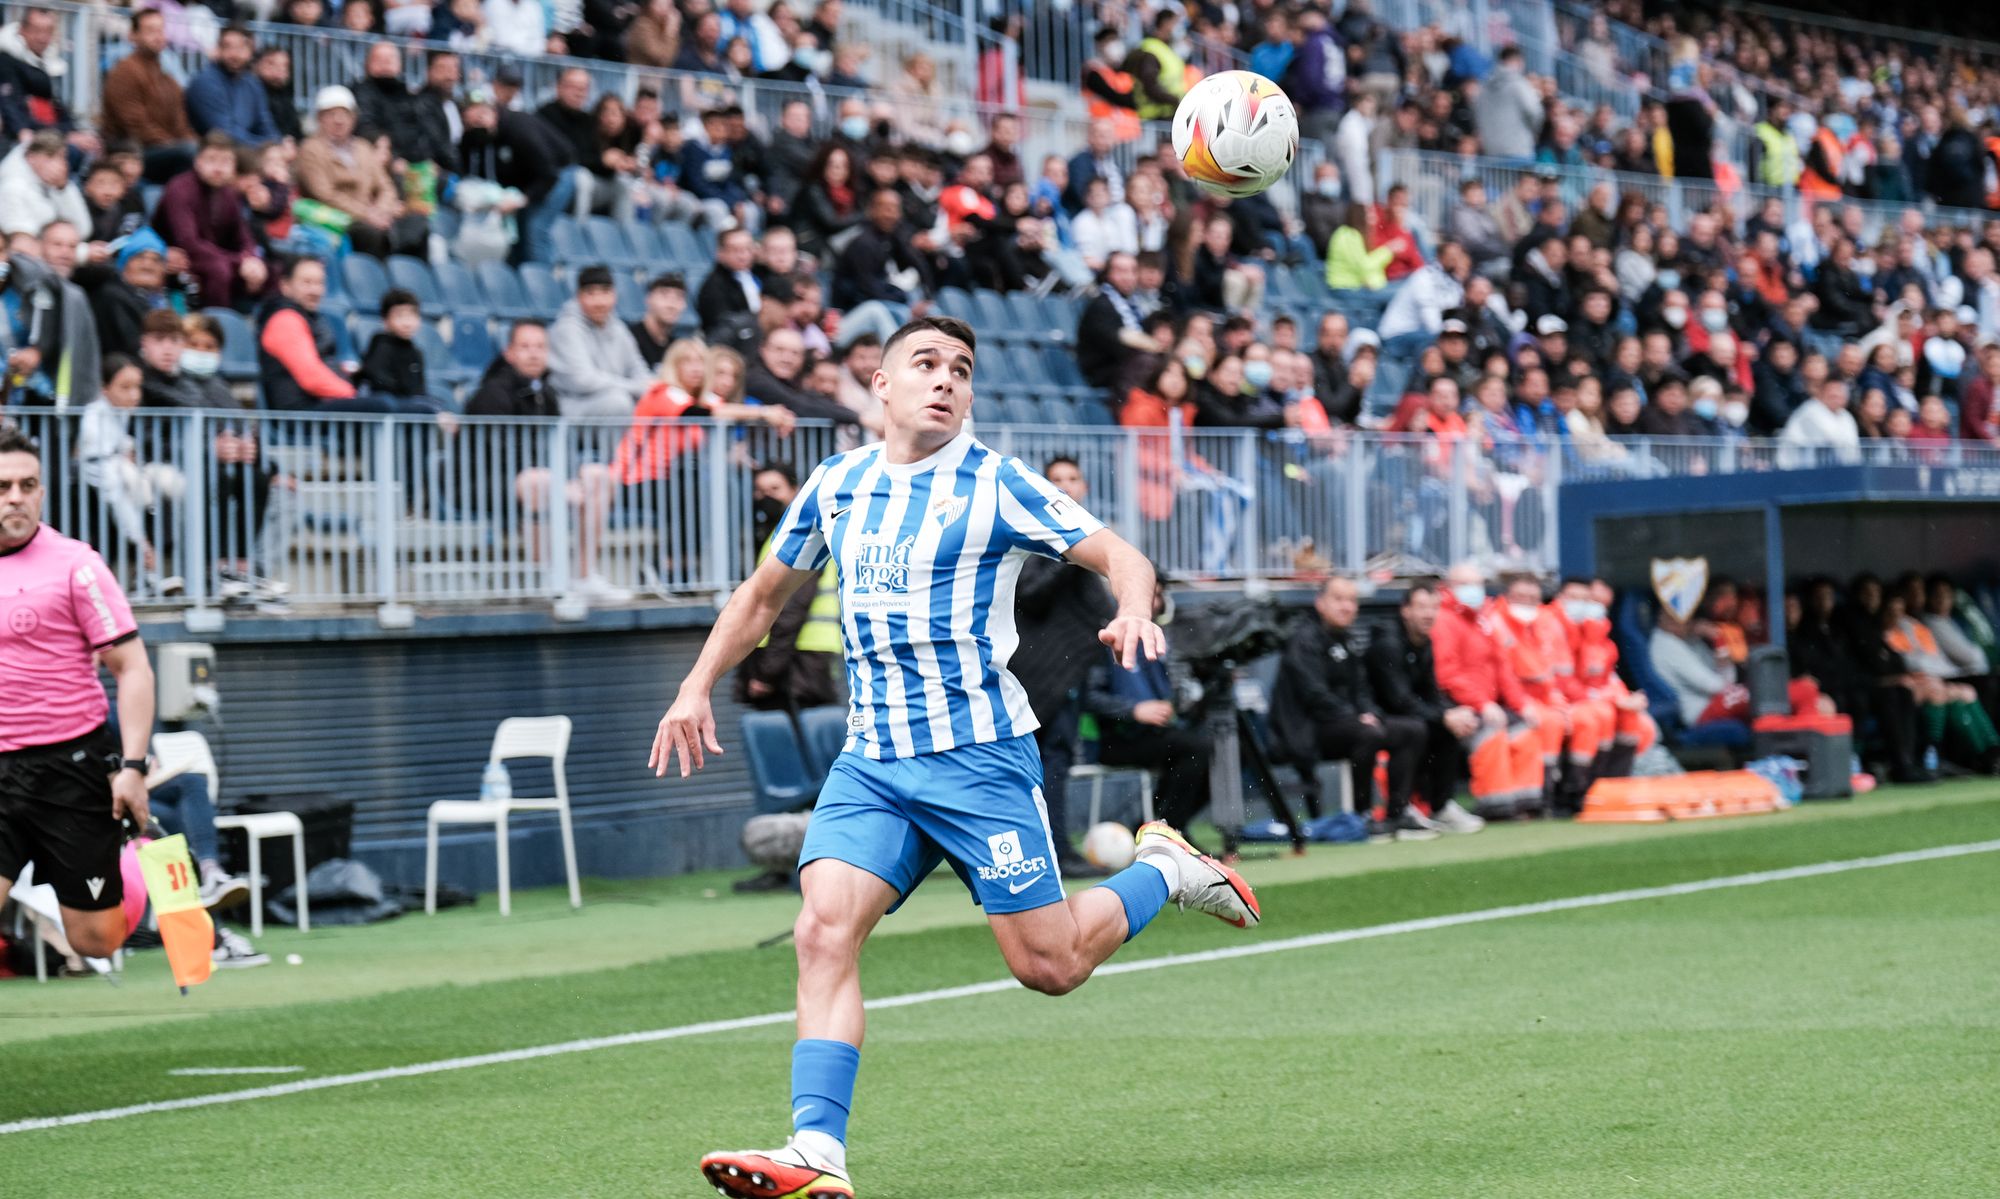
[[393, 721]]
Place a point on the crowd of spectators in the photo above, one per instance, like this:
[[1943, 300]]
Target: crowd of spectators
[[1910, 661], [1520, 323]]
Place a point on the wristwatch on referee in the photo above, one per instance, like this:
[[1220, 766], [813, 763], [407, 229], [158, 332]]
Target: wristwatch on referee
[[138, 764]]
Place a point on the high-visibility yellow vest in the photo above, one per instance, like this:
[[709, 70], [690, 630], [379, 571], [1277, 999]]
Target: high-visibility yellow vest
[[1173, 81], [1781, 163], [820, 634]]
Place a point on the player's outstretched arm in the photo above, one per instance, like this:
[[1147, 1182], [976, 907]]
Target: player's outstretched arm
[[689, 724], [1132, 631]]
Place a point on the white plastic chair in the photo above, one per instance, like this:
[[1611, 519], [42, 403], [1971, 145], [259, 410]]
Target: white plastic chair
[[1097, 774], [517, 737], [189, 753]]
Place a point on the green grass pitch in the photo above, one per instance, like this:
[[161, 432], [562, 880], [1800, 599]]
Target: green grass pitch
[[1825, 1036]]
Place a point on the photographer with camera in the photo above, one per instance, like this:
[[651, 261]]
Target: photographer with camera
[[1142, 725]]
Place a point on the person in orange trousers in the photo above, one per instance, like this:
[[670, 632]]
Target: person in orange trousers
[[1585, 609], [1536, 646], [1505, 752]]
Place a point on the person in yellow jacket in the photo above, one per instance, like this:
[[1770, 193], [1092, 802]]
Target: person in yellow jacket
[[795, 666], [1778, 162], [1350, 264], [1159, 74]]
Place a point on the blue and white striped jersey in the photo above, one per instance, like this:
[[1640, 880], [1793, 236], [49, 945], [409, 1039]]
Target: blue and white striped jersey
[[928, 553]]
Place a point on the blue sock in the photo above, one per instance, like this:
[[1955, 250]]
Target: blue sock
[[823, 1086], [1143, 891]]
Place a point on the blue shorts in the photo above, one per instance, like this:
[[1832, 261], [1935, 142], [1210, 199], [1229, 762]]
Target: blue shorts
[[978, 807]]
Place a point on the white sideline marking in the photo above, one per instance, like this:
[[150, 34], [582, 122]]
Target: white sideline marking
[[205, 1071], [996, 986]]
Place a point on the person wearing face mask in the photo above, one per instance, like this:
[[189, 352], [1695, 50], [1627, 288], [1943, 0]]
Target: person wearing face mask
[[1107, 89], [1536, 647], [795, 667], [1505, 750], [1617, 714]]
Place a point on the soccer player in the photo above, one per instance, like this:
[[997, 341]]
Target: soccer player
[[65, 779], [928, 531]]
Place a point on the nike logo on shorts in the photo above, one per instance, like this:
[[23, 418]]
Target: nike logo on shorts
[[1017, 888]]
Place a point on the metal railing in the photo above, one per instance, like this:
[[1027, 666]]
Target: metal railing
[[347, 510], [1433, 179]]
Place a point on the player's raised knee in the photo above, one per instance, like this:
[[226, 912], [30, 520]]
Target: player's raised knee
[[1049, 974]]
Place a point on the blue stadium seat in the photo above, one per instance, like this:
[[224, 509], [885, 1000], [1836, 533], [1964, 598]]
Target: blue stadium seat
[[608, 244], [1025, 365], [990, 312], [1092, 410], [438, 363], [545, 295], [778, 771], [462, 294], [1021, 409], [648, 246], [1061, 367], [823, 731], [414, 276], [1281, 286], [472, 345], [572, 247], [631, 296], [1391, 377], [683, 248], [364, 280], [361, 329], [506, 298], [239, 345], [957, 302], [444, 393], [1025, 313], [986, 409]]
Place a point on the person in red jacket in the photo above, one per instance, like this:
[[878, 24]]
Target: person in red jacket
[[1506, 751], [1586, 610], [1536, 646]]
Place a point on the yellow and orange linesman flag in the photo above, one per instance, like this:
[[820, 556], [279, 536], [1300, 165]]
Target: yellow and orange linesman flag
[[185, 929]]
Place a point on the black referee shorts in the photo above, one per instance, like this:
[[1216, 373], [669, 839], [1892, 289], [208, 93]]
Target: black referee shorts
[[55, 811]]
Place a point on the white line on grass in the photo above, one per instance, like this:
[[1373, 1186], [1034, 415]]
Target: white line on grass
[[996, 986]]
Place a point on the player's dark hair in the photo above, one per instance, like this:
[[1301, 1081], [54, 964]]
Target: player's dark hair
[[1061, 460], [950, 326], [1419, 587], [15, 440]]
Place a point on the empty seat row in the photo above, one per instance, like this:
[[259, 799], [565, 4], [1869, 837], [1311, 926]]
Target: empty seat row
[[633, 246]]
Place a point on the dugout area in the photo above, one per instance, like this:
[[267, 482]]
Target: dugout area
[[1772, 528]]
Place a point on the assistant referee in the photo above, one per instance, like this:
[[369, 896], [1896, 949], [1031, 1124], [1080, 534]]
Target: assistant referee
[[65, 780]]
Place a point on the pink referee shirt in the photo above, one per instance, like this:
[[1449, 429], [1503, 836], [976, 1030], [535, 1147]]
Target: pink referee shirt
[[58, 605]]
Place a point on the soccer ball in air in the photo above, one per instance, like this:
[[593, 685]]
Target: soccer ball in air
[[1109, 845], [1236, 133]]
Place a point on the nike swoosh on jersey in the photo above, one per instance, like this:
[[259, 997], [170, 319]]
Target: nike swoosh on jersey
[[1017, 888]]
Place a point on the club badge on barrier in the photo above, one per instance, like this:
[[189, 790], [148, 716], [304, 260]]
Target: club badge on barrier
[[1679, 584]]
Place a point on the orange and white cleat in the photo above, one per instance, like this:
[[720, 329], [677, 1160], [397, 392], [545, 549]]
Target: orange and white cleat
[[1206, 884], [788, 1173]]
